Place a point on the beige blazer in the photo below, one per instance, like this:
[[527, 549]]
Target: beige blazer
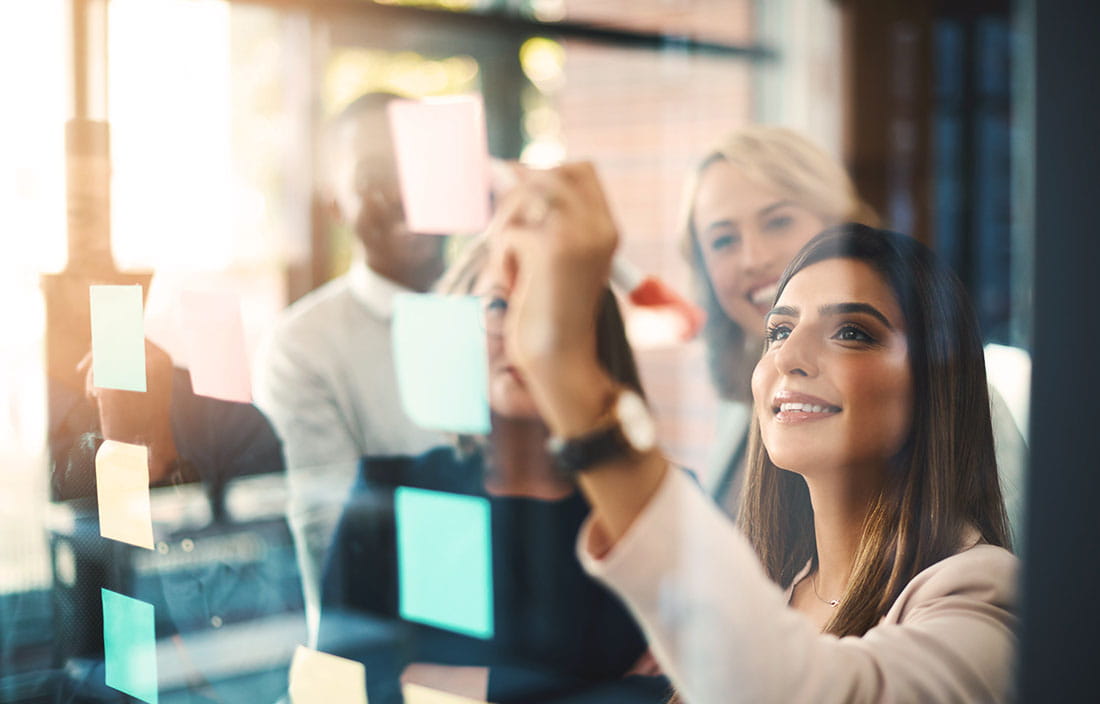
[[724, 633]]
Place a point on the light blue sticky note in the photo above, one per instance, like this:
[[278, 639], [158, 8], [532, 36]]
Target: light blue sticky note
[[439, 349], [130, 646], [118, 338], [444, 560]]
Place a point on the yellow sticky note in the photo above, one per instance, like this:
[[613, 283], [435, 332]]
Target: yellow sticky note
[[320, 678], [122, 487], [419, 694]]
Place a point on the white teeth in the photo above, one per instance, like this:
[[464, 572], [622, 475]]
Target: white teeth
[[803, 407], [764, 295]]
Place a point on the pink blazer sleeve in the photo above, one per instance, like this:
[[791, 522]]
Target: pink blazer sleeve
[[723, 632]]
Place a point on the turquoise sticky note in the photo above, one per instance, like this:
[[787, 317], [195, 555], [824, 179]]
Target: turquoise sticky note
[[442, 365], [444, 560], [130, 646], [118, 338]]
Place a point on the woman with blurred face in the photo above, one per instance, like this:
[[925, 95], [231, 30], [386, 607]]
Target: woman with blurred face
[[556, 632], [754, 201], [871, 561]]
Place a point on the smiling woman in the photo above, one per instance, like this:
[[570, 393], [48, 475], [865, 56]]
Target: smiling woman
[[833, 355], [873, 324]]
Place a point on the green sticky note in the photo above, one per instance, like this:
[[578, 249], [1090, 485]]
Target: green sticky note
[[130, 646], [444, 559], [118, 338], [440, 354]]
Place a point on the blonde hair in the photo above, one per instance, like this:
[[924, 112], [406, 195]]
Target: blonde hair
[[784, 161]]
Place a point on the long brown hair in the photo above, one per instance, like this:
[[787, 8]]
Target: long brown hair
[[800, 171], [944, 479]]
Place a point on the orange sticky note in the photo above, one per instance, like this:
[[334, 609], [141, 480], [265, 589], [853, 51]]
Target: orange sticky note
[[418, 694], [320, 678], [122, 489], [216, 355], [442, 157]]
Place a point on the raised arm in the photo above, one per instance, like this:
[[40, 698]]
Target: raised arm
[[556, 238]]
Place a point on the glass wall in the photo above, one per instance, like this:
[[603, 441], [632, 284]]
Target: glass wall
[[275, 447]]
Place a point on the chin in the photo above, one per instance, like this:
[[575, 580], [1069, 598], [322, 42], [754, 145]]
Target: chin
[[515, 406], [515, 411], [792, 461]]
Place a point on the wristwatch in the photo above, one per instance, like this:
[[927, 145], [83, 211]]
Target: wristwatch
[[626, 429]]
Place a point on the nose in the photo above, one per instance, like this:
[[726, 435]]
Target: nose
[[798, 354], [755, 254]]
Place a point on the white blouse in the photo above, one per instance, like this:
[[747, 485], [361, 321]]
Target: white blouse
[[723, 632]]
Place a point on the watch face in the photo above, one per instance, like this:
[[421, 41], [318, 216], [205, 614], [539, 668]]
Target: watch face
[[635, 421]]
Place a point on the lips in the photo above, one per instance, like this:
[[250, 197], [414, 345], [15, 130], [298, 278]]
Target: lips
[[761, 296], [798, 407]]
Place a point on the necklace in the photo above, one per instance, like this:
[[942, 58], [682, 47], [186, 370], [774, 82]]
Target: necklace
[[813, 584]]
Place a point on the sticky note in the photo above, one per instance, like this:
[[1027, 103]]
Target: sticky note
[[118, 338], [419, 694], [122, 489], [320, 678], [211, 322], [130, 646], [444, 560], [441, 361], [442, 155]]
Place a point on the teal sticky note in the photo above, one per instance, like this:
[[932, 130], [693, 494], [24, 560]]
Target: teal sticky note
[[441, 360], [444, 560], [118, 338], [130, 646]]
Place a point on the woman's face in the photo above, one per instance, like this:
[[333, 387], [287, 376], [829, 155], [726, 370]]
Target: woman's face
[[508, 393], [747, 234], [834, 389]]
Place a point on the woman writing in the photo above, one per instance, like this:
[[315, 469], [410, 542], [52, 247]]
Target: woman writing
[[869, 564], [557, 633]]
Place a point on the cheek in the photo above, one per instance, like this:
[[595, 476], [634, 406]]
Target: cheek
[[763, 382], [886, 401], [510, 399], [722, 272], [805, 230]]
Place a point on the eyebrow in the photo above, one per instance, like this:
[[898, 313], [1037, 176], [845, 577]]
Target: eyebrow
[[846, 308], [718, 224], [773, 207]]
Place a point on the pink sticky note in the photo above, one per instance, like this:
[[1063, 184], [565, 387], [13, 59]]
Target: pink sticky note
[[214, 335], [442, 163]]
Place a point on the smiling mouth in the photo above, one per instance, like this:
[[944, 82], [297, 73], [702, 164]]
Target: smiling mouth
[[761, 297], [803, 412]]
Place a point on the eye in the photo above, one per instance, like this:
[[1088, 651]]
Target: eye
[[494, 308], [495, 304], [724, 241], [779, 222], [853, 333], [777, 333]]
